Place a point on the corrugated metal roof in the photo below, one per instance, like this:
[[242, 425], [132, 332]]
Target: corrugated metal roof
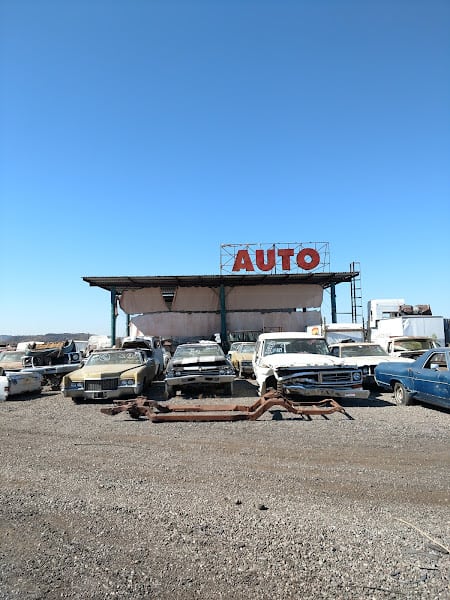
[[122, 283]]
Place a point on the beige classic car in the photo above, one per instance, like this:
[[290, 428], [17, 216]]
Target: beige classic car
[[241, 359], [111, 374]]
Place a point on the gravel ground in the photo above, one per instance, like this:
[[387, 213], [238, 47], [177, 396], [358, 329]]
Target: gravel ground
[[94, 506]]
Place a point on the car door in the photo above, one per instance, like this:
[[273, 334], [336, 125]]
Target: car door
[[432, 382]]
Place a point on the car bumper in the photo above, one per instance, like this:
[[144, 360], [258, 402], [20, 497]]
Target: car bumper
[[123, 392], [326, 392], [188, 380]]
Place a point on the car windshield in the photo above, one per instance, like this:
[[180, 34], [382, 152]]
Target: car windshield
[[360, 350], [234, 346], [246, 348], [197, 350], [9, 357], [413, 345], [115, 358], [296, 345]]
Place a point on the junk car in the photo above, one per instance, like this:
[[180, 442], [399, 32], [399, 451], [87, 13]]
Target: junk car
[[366, 355], [300, 364], [110, 375], [242, 358], [200, 365], [427, 379]]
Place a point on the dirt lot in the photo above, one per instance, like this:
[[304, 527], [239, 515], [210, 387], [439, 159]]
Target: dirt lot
[[94, 506]]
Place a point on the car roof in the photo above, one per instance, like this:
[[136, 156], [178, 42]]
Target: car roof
[[276, 335], [129, 350], [340, 344]]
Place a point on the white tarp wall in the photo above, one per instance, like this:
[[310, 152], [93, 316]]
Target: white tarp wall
[[196, 310]]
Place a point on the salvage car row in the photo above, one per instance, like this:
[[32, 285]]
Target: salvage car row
[[295, 364]]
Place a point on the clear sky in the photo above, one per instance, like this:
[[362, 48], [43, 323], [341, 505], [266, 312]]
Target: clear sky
[[137, 136]]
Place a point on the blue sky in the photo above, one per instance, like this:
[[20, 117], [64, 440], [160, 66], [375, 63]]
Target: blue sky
[[138, 136]]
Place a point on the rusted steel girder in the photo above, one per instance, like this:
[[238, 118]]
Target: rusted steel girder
[[158, 413]]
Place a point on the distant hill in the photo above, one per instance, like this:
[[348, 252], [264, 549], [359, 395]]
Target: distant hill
[[47, 337]]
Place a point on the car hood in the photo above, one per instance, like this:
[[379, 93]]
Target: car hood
[[244, 356], [11, 366], [302, 360], [98, 371], [362, 361], [403, 355], [198, 360]]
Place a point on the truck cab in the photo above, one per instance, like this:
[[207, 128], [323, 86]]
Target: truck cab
[[408, 346]]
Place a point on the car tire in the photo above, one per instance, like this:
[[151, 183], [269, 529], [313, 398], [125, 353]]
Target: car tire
[[228, 389], [169, 392], [401, 395]]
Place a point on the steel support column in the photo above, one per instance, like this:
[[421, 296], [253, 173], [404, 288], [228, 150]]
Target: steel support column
[[223, 320], [113, 316], [333, 303]]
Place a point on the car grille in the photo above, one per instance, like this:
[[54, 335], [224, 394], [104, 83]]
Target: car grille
[[324, 378], [200, 371], [335, 378], [99, 385]]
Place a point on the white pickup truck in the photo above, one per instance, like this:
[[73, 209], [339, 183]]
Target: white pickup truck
[[407, 346], [15, 383], [300, 363]]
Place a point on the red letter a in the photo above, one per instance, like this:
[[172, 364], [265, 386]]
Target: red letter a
[[243, 261]]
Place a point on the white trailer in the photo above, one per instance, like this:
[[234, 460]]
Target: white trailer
[[409, 326]]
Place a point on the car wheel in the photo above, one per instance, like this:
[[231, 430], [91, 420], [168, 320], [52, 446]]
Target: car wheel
[[228, 389], [169, 392], [401, 395]]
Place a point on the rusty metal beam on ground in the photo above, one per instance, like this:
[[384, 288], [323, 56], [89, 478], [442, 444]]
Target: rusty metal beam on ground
[[158, 412]]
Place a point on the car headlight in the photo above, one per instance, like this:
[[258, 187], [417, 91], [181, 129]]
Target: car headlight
[[74, 385], [357, 376], [226, 371], [126, 383]]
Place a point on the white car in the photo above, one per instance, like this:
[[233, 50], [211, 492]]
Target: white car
[[367, 355], [17, 383], [300, 363]]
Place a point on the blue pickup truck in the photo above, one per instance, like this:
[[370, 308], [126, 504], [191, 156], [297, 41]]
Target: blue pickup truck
[[427, 379]]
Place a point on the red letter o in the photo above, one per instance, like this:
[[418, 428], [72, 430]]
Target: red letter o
[[310, 264]]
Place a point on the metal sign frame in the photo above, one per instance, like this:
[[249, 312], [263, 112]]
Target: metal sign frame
[[230, 253]]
